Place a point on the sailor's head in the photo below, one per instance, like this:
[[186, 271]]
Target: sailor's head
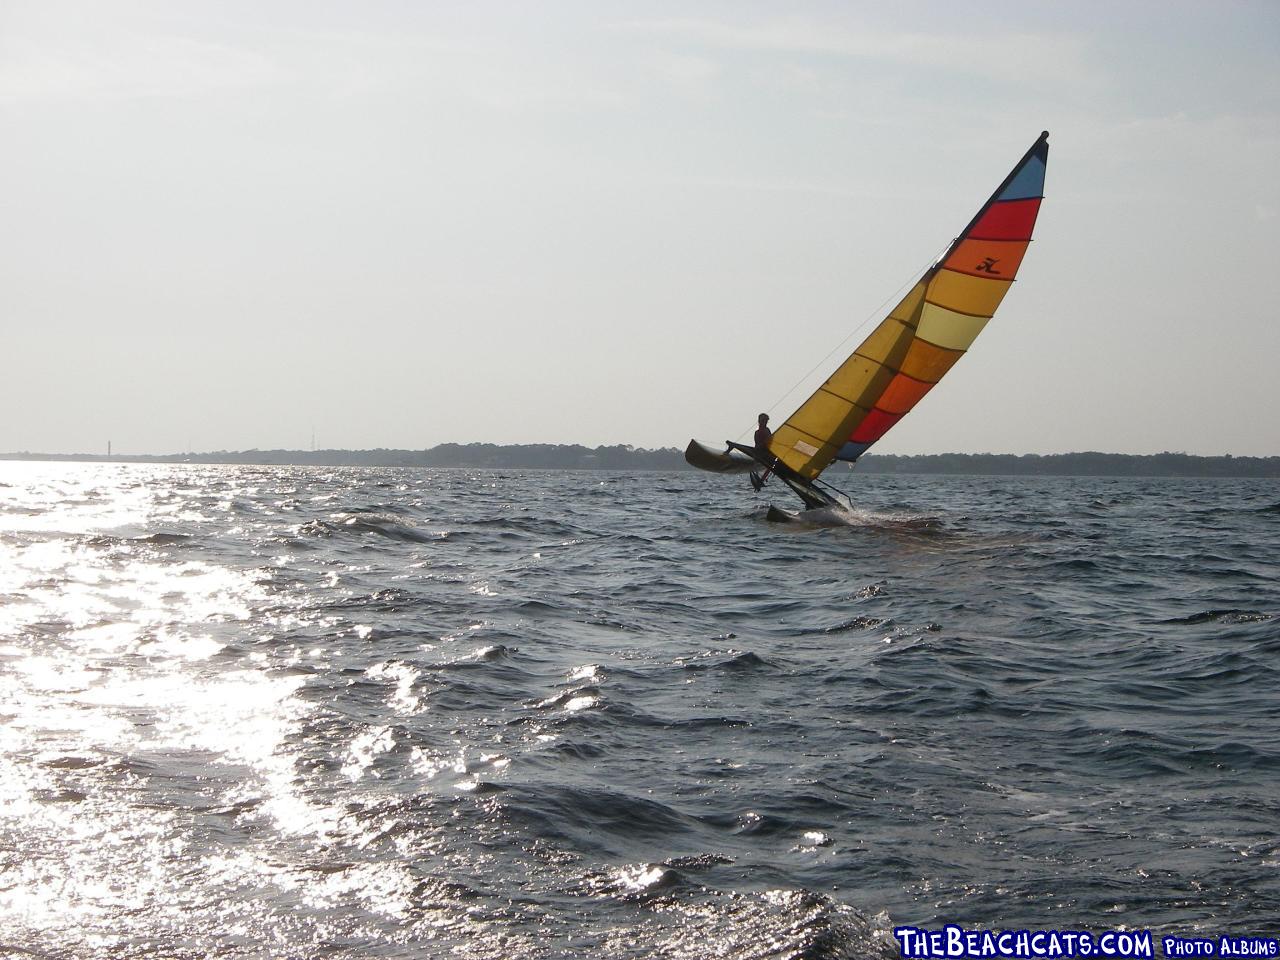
[[763, 419]]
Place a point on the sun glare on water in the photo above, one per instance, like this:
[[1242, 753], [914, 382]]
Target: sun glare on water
[[116, 694]]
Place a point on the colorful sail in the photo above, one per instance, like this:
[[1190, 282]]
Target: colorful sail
[[924, 335]]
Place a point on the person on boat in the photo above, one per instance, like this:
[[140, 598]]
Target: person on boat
[[763, 436]]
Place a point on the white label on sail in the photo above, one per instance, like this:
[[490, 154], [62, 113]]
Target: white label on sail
[[808, 449]]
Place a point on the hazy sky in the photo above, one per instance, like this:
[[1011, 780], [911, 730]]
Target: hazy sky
[[225, 225]]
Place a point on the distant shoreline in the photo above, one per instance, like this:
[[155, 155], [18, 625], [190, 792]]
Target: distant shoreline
[[575, 457]]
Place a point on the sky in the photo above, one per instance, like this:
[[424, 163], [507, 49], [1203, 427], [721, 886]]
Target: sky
[[233, 225]]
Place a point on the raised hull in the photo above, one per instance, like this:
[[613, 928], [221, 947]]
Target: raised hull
[[717, 461]]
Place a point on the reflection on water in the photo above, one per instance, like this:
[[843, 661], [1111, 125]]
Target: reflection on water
[[120, 720]]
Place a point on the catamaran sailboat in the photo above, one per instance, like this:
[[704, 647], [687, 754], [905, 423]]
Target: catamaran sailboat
[[907, 354]]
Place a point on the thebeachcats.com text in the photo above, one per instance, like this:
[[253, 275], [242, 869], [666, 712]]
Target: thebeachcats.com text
[[1220, 946], [957, 942]]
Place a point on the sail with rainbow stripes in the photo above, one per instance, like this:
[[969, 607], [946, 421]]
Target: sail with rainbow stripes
[[923, 336]]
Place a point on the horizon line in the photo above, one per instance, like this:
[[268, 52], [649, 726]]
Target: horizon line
[[312, 452]]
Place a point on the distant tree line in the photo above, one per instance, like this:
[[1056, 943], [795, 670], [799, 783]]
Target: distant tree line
[[552, 456], [1087, 464]]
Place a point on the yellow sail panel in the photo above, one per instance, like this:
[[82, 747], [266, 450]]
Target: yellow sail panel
[[928, 363], [823, 408], [859, 380], [806, 442], [962, 293], [811, 437], [946, 328], [908, 307], [888, 342], [796, 445], [812, 453]]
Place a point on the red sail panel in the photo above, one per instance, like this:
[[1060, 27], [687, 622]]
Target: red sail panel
[[874, 426], [1010, 220], [902, 394]]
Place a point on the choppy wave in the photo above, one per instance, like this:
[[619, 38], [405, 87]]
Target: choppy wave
[[404, 713]]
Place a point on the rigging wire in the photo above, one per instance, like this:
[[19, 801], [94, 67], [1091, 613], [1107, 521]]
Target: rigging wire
[[877, 312]]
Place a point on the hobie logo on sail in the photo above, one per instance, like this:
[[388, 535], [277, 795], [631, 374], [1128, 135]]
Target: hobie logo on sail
[[988, 265]]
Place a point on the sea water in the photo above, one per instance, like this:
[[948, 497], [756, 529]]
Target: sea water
[[308, 712]]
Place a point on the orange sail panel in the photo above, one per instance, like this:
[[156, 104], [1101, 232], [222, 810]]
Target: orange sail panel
[[924, 335]]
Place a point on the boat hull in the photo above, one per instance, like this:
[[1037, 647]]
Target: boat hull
[[717, 461]]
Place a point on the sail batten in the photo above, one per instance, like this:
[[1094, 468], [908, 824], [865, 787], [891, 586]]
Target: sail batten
[[921, 338]]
